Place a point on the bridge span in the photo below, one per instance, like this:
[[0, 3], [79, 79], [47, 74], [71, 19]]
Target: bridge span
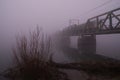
[[106, 23]]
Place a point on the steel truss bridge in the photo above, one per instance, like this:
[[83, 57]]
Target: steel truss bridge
[[106, 23]]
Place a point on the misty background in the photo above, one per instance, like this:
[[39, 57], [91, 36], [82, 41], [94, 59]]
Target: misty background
[[21, 16]]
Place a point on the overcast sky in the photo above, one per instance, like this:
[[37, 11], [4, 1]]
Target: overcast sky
[[19, 16]]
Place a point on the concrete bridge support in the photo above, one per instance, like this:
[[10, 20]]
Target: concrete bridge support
[[87, 44]]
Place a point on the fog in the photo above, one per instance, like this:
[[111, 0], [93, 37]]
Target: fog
[[21, 16], [107, 45]]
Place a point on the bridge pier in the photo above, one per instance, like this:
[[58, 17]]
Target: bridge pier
[[87, 44]]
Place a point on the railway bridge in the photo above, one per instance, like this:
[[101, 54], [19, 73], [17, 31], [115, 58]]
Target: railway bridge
[[106, 23]]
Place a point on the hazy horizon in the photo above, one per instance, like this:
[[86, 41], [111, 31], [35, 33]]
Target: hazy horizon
[[21, 16]]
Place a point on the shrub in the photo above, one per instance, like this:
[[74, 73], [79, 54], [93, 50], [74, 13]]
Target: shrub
[[31, 59]]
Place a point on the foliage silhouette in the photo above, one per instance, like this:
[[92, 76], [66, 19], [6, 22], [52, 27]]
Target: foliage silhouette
[[32, 59]]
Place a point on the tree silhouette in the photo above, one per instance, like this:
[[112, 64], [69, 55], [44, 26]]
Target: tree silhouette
[[32, 59]]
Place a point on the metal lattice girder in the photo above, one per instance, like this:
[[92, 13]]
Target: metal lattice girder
[[106, 23]]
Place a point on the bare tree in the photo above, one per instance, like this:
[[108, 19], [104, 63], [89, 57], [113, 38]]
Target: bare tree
[[31, 59]]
